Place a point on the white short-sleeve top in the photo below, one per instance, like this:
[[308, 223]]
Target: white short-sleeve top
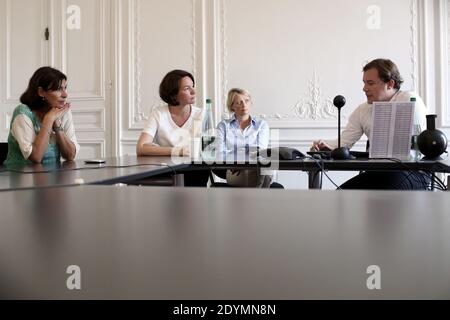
[[166, 133]]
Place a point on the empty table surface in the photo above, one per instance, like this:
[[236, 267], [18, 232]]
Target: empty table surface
[[193, 243]]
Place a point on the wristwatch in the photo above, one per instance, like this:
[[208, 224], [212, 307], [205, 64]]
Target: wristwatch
[[57, 127]]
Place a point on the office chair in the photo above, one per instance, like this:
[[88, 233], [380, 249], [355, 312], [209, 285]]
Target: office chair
[[3, 151]]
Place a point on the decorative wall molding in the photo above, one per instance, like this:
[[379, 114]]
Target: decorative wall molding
[[193, 39], [128, 146], [413, 43], [284, 123], [224, 56], [53, 25], [128, 141], [116, 75], [422, 51], [303, 144], [97, 113], [9, 96], [6, 124], [315, 106], [137, 115], [95, 145], [93, 95], [444, 61]]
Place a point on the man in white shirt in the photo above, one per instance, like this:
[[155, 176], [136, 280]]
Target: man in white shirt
[[382, 82]]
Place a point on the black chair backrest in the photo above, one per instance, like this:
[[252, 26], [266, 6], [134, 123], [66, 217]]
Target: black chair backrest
[[3, 151]]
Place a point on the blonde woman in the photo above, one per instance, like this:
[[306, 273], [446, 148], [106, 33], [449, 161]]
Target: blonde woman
[[240, 134]]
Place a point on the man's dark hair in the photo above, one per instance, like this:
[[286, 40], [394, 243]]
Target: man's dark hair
[[387, 70]]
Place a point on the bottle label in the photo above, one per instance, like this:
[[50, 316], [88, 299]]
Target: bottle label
[[208, 143]]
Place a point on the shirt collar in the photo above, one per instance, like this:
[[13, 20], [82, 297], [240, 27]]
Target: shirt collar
[[395, 96], [234, 120], [393, 99]]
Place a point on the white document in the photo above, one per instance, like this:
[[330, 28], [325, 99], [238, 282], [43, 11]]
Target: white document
[[392, 124]]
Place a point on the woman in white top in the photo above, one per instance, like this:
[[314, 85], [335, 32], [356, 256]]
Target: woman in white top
[[170, 127]]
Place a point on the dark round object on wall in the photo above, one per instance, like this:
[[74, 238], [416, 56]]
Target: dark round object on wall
[[432, 142]]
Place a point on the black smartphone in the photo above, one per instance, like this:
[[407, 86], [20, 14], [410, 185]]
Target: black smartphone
[[94, 161]]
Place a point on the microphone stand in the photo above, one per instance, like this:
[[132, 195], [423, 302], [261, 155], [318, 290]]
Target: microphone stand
[[340, 153]]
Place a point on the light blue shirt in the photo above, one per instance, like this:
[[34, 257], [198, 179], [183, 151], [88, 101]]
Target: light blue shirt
[[230, 137]]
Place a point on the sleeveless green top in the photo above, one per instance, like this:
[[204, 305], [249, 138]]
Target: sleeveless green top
[[15, 154]]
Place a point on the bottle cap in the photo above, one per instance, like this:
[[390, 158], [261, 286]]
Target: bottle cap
[[412, 99], [208, 100]]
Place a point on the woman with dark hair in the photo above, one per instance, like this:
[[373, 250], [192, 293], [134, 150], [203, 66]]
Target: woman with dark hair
[[41, 127], [170, 127]]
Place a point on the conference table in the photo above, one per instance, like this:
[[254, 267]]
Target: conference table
[[194, 243], [132, 242], [134, 170], [314, 167], [126, 169]]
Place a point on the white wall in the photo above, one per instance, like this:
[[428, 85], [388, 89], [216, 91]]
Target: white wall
[[293, 55], [82, 53]]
